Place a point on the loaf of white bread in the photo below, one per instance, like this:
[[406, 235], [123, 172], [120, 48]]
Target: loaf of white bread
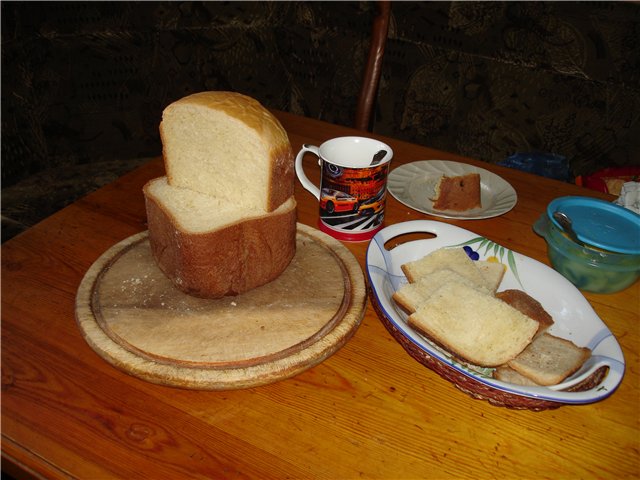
[[453, 301], [223, 220]]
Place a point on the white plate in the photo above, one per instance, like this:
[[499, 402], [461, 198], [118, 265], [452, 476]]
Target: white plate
[[409, 184], [574, 317]]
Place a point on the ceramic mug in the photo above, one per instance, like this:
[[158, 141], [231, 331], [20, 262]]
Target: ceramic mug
[[353, 185]]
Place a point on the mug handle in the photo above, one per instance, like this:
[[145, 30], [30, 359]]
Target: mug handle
[[306, 183]]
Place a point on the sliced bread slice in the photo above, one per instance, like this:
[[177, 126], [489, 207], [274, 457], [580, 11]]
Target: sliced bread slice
[[455, 259], [529, 306], [457, 193], [493, 272], [509, 375], [411, 296], [548, 360], [474, 326]]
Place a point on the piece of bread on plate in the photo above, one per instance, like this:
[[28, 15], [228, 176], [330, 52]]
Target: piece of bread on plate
[[474, 326], [507, 374], [411, 296], [481, 272], [493, 272], [455, 259], [548, 360], [457, 193], [210, 249], [529, 306]]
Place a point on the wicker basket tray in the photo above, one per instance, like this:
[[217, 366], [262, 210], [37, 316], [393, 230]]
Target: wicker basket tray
[[472, 387], [574, 318]]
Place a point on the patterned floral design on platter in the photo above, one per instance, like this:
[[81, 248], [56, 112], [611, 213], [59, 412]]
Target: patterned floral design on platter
[[493, 252]]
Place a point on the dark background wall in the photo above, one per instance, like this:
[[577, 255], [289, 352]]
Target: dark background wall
[[84, 83], [487, 79]]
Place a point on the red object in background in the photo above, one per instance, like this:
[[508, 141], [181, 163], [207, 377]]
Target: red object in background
[[601, 180]]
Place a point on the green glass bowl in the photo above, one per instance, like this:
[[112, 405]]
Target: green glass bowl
[[589, 269]]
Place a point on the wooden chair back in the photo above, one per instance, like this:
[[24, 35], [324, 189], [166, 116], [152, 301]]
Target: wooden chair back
[[373, 69]]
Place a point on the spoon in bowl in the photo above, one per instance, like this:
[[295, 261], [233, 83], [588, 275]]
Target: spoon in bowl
[[566, 224]]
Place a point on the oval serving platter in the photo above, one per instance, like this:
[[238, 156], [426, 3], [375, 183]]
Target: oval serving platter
[[574, 318]]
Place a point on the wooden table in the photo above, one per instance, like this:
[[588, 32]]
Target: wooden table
[[369, 411]]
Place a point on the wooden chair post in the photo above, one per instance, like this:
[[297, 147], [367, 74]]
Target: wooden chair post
[[373, 69]]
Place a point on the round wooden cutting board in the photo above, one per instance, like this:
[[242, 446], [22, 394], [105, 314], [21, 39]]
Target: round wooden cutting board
[[135, 319]]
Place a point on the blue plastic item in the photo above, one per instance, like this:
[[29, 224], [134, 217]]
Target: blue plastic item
[[589, 269], [599, 223], [548, 165]]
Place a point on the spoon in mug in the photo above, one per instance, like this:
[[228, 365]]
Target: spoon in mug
[[377, 157]]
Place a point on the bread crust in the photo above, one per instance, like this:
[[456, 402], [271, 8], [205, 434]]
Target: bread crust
[[227, 261], [255, 116], [458, 193], [528, 305]]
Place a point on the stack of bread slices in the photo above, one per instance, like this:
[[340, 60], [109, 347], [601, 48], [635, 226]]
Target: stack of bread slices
[[223, 219], [454, 302]]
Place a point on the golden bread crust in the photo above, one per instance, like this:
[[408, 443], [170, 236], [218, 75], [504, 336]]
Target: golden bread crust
[[225, 261]]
